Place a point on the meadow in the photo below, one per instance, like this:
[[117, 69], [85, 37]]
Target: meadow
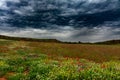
[[26, 60]]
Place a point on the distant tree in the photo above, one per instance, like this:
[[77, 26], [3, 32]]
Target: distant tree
[[79, 42]]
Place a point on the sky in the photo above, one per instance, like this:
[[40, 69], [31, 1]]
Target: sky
[[65, 20]]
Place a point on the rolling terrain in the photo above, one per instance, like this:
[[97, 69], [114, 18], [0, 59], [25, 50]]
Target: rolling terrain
[[37, 59]]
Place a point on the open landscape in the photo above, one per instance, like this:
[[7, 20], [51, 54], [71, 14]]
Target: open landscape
[[33, 60], [59, 39]]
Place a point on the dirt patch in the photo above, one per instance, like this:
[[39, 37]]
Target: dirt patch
[[3, 79]]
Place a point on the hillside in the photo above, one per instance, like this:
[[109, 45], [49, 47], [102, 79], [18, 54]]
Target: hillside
[[110, 42], [27, 39]]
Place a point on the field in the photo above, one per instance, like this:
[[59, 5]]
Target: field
[[25, 60]]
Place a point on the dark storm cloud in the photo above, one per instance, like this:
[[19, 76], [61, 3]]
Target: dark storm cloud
[[34, 13], [67, 20]]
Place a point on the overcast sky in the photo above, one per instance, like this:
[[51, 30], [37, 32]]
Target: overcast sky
[[66, 20]]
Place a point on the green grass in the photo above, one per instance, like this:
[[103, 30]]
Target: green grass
[[21, 60], [45, 68]]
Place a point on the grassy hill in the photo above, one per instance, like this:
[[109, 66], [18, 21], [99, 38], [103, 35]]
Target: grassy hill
[[37, 59], [27, 39], [110, 42]]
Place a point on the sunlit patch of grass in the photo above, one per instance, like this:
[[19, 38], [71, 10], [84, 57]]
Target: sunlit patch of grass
[[4, 67]]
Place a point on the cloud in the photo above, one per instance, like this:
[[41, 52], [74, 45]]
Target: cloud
[[3, 3], [67, 33], [67, 7], [66, 20]]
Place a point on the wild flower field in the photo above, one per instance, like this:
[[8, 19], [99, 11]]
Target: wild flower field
[[21, 60]]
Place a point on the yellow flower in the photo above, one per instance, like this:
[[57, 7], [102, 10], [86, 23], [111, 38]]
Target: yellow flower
[[2, 63]]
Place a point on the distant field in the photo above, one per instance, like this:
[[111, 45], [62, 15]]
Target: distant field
[[97, 53], [24, 60]]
